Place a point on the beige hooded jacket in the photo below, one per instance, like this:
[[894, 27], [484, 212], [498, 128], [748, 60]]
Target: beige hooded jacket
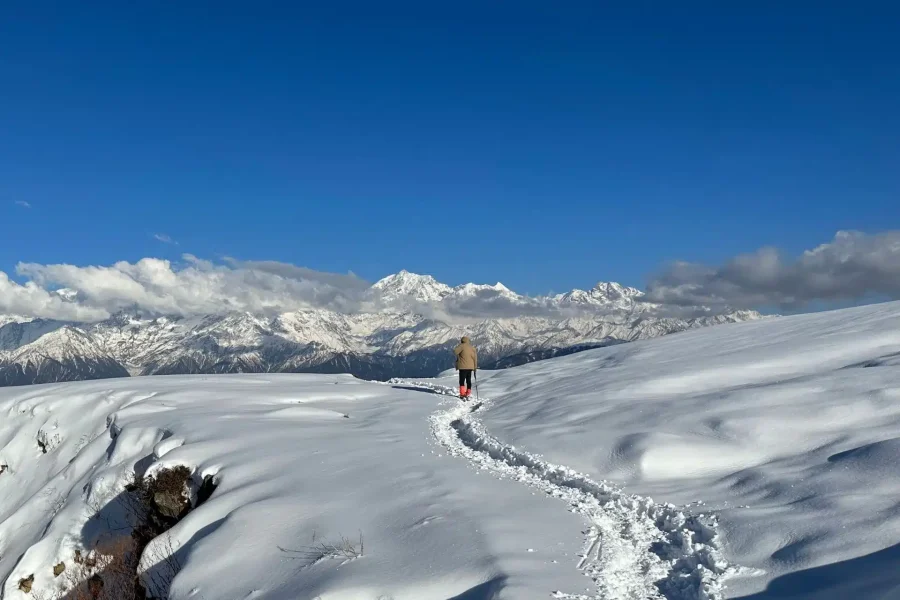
[[466, 357]]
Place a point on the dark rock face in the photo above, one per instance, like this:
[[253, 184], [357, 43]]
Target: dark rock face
[[376, 367], [54, 371], [524, 358]]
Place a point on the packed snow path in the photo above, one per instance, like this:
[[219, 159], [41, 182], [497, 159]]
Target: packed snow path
[[635, 549]]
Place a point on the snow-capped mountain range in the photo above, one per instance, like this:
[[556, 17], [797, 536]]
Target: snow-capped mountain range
[[409, 334]]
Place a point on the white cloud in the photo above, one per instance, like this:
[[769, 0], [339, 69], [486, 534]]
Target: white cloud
[[852, 266], [23, 204], [198, 286], [337, 280], [34, 301], [195, 287], [164, 238]]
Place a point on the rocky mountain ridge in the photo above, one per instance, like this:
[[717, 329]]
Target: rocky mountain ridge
[[409, 336]]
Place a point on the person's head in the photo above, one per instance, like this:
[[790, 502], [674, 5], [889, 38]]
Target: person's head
[[465, 339]]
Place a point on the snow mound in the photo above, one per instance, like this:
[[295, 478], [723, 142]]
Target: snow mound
[[876, 457]]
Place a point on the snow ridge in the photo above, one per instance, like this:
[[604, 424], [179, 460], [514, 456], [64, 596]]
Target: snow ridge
[[635, 548]]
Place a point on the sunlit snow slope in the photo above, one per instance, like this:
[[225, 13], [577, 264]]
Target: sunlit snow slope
[[788, 429], [292, 472]]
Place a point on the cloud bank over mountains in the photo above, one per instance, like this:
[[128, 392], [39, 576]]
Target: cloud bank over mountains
[[852, 266], [158, 286]]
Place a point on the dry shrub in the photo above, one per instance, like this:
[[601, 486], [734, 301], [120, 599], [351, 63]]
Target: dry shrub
[[108, 572], [344, 549]]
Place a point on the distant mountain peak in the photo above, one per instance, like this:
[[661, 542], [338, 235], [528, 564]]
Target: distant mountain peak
[[471, 288], [422, 288], [606, 295], [6, 319], [66, 294], [426, 289], [612, 289]]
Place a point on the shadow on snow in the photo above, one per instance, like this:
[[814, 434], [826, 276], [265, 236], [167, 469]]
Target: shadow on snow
[[873, 577]]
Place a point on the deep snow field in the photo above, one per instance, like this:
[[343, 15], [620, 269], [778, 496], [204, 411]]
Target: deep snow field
[[770, 450]]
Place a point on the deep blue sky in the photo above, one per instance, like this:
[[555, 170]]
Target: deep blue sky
[[547, 145]]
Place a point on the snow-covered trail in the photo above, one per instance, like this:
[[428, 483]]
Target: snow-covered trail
[[634, 548]]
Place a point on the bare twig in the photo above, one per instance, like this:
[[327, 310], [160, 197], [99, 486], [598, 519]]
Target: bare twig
[[317, 552]]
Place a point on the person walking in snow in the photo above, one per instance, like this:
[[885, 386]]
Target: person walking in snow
[[466, 364]]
